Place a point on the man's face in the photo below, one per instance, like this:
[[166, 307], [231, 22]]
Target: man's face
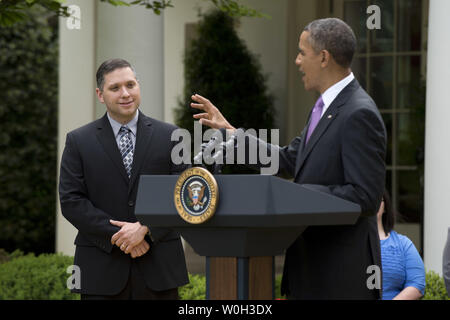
[[121, 94], [309, 63]]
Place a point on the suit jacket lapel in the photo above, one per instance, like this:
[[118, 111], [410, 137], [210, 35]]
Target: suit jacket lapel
[[328, 117], [143, 137], [106, 137]]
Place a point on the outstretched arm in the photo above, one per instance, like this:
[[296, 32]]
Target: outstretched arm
[[213, 118]]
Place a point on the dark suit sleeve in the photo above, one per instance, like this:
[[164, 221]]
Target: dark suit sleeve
[[76, 207], [288, 157], [363, 140], [285, 160]]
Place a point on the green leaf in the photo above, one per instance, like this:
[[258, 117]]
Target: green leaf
[[118, 3]]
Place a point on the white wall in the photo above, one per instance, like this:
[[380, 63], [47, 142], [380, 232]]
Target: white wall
[[437, 135]]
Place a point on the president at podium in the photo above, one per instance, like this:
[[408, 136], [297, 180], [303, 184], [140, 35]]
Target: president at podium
[[341, 151]]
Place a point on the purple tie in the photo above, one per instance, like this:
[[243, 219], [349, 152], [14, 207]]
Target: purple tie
[[315, 117]]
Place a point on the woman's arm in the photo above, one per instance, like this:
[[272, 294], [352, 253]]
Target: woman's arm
[[409, 293]]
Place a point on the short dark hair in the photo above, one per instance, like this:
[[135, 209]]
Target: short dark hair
[[335, 36], [109, 66], [388, 218]]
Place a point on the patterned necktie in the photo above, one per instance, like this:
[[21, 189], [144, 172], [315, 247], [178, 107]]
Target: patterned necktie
[[126, 148], [315, 117]]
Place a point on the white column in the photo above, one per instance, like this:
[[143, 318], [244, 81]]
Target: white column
[[135, 34], [437, 148], [76, 94]]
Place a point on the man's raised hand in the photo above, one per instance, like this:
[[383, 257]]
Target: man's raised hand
[[211, 116]]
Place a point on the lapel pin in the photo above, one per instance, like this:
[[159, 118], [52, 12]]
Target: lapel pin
[[330, 116]]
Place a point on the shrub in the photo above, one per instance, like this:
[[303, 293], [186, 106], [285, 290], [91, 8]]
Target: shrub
[[278, 287], [435, 287], [27, 277], [195, 289], [28, 117], [4, 256]]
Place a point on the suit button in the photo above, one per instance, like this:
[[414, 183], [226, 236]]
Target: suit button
[[130, 203]]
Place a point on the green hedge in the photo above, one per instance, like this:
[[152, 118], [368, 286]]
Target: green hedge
[[435, 287], [44, 277], [195, 289], [27, 277], [28, 117]]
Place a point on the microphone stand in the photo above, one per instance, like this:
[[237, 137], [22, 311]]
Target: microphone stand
[[222, 152]]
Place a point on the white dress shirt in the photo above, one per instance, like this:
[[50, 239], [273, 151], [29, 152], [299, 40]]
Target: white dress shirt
[[332, 92], [132, 125]]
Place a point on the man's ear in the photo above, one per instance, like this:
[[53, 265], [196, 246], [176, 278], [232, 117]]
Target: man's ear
[[99, 95], [325, 58]]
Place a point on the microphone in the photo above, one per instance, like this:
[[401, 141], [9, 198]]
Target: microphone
[[225, 145], [211, 144]]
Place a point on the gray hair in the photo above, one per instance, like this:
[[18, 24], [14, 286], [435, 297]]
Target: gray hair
[[109, 66], [335, 36]]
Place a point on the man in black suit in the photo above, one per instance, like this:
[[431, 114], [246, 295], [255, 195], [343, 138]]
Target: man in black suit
[[118, 257], [341, 151]]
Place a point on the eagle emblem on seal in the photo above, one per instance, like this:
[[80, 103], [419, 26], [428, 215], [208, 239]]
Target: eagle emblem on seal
[[196, 194]]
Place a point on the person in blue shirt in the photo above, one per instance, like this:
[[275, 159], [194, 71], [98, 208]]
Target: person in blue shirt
[[402, 267]]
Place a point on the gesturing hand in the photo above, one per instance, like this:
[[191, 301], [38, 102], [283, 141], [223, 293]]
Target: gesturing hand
[[129, 235], [211, 116]]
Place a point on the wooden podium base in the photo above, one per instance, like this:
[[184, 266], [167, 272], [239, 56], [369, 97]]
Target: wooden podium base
[[230, 278]]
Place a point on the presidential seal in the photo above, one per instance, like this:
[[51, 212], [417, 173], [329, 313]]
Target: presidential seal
[[196, 195]]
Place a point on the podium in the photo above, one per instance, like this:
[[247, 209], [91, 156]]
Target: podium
[[257, 218]]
